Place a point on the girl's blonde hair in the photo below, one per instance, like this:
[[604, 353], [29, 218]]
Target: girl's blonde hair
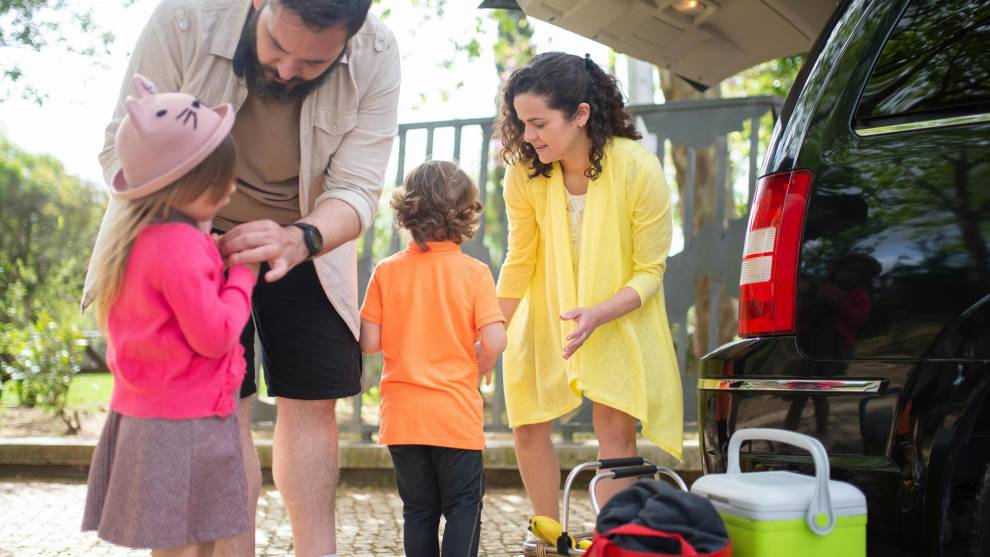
[[212, 177], [438, 202]]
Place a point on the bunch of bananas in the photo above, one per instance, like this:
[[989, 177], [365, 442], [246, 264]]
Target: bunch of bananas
[[549, 530]]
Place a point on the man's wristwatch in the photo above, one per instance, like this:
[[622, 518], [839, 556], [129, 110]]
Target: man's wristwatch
[[311, 237]]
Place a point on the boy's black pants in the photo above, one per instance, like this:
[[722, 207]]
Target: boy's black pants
[[435, 481]]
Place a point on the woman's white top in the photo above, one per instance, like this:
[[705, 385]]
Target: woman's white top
[[575, 213]]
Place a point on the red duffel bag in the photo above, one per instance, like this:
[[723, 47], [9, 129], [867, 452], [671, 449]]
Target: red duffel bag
[[604, 546]]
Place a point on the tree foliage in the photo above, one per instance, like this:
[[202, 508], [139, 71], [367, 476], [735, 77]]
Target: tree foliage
[[37, 24], [513, 48], [769, 78], [48, 223]]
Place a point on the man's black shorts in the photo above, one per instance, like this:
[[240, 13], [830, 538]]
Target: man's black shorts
[[307, 350]]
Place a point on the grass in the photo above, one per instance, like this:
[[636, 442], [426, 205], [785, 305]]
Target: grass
[[89, 389], [86, 391]]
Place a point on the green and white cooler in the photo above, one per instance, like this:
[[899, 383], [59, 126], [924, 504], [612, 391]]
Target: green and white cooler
[[777, 514]]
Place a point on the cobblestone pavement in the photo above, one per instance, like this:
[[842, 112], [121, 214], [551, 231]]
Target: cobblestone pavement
[[41, 519]]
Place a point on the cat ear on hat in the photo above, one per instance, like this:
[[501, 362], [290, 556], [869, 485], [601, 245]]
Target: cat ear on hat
[[133, 107], [142, 86]]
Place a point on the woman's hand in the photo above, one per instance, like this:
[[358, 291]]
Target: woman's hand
[[586, 320], [486, 364]]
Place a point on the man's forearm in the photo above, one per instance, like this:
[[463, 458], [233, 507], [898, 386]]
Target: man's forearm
[[338, 223]]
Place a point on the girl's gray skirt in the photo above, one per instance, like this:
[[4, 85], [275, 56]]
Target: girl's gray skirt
[[158, 483]]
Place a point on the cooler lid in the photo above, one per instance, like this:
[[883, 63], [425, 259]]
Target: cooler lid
[[777, 492]]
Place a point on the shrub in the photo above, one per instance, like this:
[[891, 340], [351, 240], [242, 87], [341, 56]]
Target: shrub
[[45, 357]]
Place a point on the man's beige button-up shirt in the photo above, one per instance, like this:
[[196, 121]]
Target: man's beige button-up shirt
[[346, 128]]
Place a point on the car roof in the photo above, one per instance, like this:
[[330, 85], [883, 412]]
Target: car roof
[[705, 44]]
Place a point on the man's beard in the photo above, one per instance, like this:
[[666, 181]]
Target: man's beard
[[260, 79]]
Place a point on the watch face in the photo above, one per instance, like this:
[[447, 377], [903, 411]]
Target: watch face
[[311, 237], [317, 239]]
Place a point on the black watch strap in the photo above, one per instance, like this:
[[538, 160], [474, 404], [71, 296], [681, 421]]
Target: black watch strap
[[311, 237]]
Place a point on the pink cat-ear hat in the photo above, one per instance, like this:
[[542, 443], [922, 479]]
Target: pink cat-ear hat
[[162, 137]]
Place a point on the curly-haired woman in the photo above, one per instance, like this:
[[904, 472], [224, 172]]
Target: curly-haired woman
[[582, 283], [425, 308]]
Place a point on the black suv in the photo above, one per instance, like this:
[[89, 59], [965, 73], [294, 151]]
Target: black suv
[[865, 291]]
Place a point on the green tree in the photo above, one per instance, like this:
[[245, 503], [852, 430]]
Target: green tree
[[769, 78], [48, 222], [513, 48]]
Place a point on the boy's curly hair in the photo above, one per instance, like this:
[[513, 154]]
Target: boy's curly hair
[[438, 202]]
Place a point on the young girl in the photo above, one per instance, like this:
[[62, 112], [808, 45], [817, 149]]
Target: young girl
[[167, 473], [589, 230], [425, 309]]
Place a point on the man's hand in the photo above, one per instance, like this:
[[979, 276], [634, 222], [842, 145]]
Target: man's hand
[[264, 240]]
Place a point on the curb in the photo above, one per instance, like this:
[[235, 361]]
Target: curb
[[500, 454]]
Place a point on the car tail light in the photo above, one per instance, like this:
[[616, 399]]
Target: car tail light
[[768, 282]]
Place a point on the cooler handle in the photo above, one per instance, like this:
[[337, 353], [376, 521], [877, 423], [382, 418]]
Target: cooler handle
[[821, 503]]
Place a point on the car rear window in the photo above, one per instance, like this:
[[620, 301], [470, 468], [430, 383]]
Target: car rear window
[[935, 64]]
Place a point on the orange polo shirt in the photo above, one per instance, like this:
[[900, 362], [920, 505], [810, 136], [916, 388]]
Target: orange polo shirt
[[430, 306]]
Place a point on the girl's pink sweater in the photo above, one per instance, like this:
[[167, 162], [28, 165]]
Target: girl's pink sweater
[[174, 330]]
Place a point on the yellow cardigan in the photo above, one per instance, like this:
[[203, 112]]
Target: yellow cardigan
[[629, 363]]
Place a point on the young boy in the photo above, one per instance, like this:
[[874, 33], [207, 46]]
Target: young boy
[[433, 312]]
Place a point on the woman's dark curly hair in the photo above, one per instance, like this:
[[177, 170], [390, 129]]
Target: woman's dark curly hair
[[438, 202], [564, 81]]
